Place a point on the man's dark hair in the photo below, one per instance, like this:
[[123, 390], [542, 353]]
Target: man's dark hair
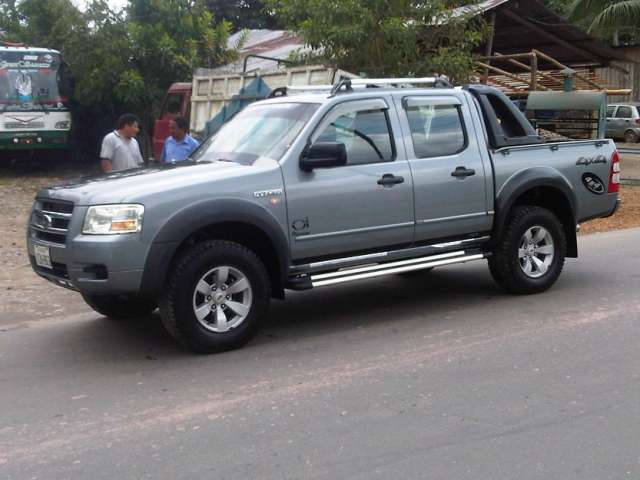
[[127, 119], [181, 122]]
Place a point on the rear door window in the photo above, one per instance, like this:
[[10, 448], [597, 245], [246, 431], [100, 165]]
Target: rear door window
[[610, 111], [437, 128]]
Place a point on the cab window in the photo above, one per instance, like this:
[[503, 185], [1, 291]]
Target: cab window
[[365, 134]]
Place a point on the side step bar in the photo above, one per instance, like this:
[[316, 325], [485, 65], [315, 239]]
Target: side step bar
[[378, 270]]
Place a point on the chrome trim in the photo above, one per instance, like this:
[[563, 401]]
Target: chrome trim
[[328, 263], [455, 217], [406, 253], [61, 231], [462, 242], [383, 266], [316, 236], [389, 271], [56, 214]]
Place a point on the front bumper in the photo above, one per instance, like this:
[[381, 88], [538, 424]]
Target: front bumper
[[34, 140], [91, 264]]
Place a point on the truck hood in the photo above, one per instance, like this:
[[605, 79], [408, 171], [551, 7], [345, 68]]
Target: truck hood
[[133, 185]]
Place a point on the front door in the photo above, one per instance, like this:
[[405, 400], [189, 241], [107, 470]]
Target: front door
[[367, 203], [448, 171]]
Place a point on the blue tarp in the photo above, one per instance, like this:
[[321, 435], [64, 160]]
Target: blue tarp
[[256, 90]]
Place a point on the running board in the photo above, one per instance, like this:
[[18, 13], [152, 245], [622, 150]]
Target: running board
[[378, 270]]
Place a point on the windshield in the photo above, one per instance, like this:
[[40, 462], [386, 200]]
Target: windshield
[[30, 80], [259, 131]]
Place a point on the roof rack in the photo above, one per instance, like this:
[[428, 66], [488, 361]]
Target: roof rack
[[347, 85]]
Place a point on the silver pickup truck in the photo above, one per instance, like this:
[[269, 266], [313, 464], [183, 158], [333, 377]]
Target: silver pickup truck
[[309, 190]]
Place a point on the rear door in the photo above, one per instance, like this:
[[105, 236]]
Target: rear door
[[449, 176], [366, 204]]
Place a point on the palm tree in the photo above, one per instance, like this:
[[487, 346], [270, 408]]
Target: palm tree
[[607, 15]]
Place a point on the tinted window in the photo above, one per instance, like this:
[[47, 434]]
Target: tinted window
[[610, 111], [436, 130], [365, 134], [624, 112]]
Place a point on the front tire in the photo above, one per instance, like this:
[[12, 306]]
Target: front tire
[[216, 296], [120, 306], [530, 255]]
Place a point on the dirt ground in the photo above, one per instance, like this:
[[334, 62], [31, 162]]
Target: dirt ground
[[25, 296], [630, 166]]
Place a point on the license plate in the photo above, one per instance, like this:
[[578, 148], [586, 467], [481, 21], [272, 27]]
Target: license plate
[[43, 258]]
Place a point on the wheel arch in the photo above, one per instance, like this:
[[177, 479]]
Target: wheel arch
[[542, 187], [234, 220]]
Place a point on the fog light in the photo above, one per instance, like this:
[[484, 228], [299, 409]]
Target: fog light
[[15, 140], [39, 140]]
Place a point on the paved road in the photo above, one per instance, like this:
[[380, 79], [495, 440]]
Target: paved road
[[439, 377]]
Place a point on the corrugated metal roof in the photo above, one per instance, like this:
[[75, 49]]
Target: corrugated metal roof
[[270, 43]]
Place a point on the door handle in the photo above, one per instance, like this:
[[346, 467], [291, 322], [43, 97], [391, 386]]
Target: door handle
[[463, 172], [389, 180]]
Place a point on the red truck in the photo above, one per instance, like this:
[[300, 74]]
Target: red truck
[[176, 102]]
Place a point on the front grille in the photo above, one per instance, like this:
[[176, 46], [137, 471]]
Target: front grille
[[23, 126], [50, 220]]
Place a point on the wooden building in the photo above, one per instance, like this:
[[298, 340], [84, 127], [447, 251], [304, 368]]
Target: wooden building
[[532, 48]]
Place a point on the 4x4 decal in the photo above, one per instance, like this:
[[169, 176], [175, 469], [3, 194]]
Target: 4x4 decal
[[586, 161], [593, 183]]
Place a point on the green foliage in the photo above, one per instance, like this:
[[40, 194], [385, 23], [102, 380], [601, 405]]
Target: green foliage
[[610, 19], [561, 7], [243, 13], [384, 38], [122, 61]]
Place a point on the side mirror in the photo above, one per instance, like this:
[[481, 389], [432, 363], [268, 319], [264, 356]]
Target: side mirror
[[323, 155]]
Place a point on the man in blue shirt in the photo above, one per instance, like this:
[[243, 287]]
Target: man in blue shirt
[[180, 144]]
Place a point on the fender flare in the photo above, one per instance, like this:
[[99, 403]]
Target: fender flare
[[526, 180], [188, 220]]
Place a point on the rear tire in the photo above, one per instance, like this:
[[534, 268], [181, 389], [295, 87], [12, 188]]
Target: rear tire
[[120, 306], [530, 254], [216, 297]]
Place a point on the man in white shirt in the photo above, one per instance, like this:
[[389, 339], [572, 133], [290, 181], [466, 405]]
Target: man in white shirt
[[120, 150]]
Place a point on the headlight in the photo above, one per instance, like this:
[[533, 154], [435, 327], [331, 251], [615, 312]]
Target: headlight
[[64, 125], [109, 219]]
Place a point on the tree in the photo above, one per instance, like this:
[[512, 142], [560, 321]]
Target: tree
[[126, 60], [168, 40], [394, 37], [561, 7], [608, 18], [243, 14]]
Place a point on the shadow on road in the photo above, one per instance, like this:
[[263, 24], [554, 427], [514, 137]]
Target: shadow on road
[[399, 303]]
